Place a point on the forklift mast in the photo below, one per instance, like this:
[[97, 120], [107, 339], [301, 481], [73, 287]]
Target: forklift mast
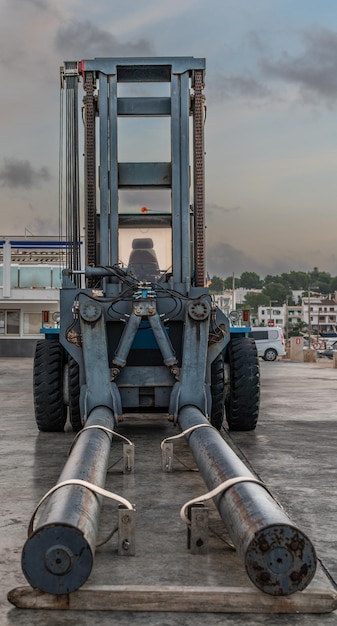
[[106, 219], [145, 269]]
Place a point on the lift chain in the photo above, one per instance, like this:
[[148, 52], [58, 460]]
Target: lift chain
[[90, 170], [199, 191]]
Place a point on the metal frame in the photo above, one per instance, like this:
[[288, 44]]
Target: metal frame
[[113, 175], [103, 104]]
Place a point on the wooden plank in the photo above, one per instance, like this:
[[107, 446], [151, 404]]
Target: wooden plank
[[29, 598], [176, 598]]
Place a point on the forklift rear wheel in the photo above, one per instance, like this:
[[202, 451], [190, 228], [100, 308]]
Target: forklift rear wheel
[[217, 391], [242, 402], [74, 394], [50, 410]]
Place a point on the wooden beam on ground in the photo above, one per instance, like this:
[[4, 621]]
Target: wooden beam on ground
[[175, 599]]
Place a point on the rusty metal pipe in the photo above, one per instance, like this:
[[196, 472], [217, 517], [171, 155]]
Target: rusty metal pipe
[[58, 557], [279, 558]]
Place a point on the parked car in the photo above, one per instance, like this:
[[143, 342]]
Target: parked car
[[269, 342]]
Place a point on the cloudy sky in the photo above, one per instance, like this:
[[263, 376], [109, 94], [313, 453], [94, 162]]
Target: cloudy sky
[[271, 130]]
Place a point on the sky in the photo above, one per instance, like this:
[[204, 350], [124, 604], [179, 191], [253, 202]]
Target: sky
[[271, 128]]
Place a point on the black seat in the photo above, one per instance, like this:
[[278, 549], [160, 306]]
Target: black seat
[[143, 262]]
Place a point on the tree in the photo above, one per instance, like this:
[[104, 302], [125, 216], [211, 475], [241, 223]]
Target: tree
[[229, 282], [300, 328], [320, 281], [217, 285], [254, 300], [276, 279], [296, 280], [251, 280], [269, 278], [333, 284], [276, 292]]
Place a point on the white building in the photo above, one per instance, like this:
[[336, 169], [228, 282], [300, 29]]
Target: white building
[[30, 279], [228, 299], [225, 301], [286, 316], [271, 315], [323, 314], [322, 320], [323, 311], [294, 314], [241, 292]]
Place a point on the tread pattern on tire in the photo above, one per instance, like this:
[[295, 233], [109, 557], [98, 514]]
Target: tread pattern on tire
[[50, 410], [74, 394], [217, 392], [242, 404]]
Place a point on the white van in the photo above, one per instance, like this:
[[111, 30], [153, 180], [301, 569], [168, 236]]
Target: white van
[[269, 342]]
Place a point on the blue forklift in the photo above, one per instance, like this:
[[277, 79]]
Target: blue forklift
[[139, 319], [139, 331]]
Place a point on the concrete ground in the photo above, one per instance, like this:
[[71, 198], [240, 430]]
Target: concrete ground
[[293, 449]]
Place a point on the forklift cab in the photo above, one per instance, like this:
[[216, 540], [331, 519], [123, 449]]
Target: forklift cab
[[145, 251]]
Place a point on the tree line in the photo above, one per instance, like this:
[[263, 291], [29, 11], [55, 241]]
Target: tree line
[[277, 288]]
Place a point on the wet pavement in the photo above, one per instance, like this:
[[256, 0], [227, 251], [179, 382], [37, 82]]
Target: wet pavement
[[293, 449]]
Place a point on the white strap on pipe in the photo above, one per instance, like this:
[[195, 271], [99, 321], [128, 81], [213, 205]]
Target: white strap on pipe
[[82, 483], [100, 427], [186, 432], [217, 490]]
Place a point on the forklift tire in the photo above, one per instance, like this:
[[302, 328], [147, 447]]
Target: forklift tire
[[74, 395], [217, 392], [242, 402], [50, 410]]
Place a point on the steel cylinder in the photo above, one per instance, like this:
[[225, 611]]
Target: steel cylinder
[[279, 558], [58, 556]]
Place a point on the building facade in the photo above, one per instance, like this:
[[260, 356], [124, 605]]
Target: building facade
[[321, 321], [271, 316], [30, 279], [320, 314]]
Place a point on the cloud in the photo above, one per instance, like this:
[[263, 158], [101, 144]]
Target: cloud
[[313, 71], [236, 87], [83, 39], [19, 173], [213, 208], [257, 41], [44, 226], [223, 259], [151, 14], [39, 4]]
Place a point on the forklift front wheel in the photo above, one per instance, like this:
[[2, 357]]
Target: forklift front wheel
[[242, 402], [50, 409], [74, 394], [217, 391]]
